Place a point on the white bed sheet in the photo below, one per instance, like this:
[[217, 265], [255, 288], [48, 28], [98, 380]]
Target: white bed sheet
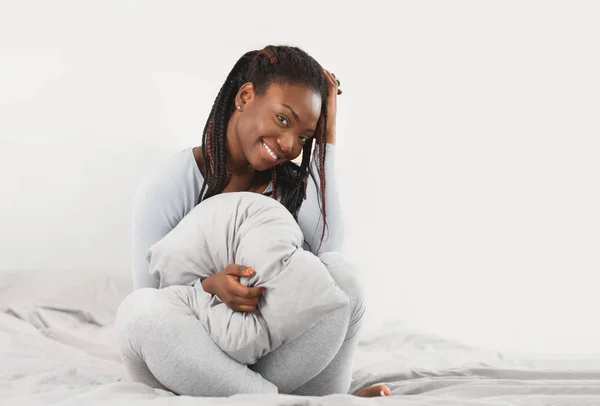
[[57, 347]]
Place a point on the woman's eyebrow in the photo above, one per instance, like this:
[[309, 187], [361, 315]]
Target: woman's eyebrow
[[311, 130], [292, 110]]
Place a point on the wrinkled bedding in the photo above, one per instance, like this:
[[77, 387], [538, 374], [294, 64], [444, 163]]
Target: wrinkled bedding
[[57, 347]]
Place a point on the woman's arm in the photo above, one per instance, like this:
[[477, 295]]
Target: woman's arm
[[310, 219], [154, 216]]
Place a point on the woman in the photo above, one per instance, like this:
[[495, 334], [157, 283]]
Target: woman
[[275, 104]]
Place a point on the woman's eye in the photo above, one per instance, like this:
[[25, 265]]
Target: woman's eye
[[303, 139], [283, 120]]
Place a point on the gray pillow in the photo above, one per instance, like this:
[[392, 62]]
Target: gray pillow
[[259, 232]]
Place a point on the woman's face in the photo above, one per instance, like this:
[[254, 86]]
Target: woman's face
[[273, 128]]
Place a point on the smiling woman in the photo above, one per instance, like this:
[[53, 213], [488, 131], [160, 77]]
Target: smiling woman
[[276, 105], [272, 98], [272, 128]]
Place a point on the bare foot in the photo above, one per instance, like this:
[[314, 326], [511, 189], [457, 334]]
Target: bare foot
[[374, 391]]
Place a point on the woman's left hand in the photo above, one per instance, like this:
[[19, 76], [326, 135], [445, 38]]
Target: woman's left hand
[[334, 91]]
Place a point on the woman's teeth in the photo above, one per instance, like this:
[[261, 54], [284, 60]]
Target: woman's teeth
[[270, 151]]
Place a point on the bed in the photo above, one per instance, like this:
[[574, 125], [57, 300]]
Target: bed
[[57, 347]]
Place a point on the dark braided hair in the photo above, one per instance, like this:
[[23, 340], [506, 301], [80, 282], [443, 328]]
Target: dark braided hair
[[280, 64]]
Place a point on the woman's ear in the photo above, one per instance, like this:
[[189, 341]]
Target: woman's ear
[[244, 95]]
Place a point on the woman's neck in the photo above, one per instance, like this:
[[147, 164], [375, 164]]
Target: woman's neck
[[235, 154]]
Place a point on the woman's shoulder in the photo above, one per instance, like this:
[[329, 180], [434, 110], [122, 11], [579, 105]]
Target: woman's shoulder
[[173, 168], [171, 186]]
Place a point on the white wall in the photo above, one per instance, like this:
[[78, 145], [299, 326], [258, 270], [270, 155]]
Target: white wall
[[468, 145]]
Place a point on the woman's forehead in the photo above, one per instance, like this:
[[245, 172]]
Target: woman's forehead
[[301, 98]]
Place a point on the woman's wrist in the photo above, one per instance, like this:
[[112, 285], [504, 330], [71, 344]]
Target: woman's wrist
[[207, 285]]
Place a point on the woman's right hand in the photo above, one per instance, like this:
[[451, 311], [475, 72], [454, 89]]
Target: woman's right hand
[[226, 285]]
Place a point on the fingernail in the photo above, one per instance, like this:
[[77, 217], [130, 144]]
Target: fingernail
[[382, 393], [250, 271]]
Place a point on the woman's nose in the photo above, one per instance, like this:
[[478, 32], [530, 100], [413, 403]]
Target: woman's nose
[[286, 143]]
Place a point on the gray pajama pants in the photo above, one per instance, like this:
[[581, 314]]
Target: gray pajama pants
[[164, 345]]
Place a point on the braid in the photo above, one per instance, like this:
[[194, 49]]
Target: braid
[[284, 65], [274, 183], [321, 142], [214, 138]]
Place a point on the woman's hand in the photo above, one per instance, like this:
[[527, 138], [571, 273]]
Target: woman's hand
[[334, 91], [226, 285]]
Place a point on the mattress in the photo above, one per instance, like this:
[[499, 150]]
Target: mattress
[[57, 346]]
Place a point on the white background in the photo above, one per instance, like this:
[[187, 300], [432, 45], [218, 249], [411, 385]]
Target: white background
[[468, 153]]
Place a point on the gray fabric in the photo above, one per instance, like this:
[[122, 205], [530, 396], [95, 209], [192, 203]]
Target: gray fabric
[[32, 294], [317, 349], [170, 190], [164, 346], [259, 232], [73, 361]]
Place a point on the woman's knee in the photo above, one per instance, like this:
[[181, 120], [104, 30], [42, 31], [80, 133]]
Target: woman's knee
[[348, 279], [137, 316]]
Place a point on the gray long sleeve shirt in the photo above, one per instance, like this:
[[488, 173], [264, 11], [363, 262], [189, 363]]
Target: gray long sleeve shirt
[[171, 189]]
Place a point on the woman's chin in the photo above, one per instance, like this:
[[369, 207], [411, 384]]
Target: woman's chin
[[261, 164]]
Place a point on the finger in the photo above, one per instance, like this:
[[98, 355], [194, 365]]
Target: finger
[[244, 291], [245, 308], [330, 77], [239, 270], [243, 301], [334, 83], [233, 301], [254, 292], [337, 81]]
